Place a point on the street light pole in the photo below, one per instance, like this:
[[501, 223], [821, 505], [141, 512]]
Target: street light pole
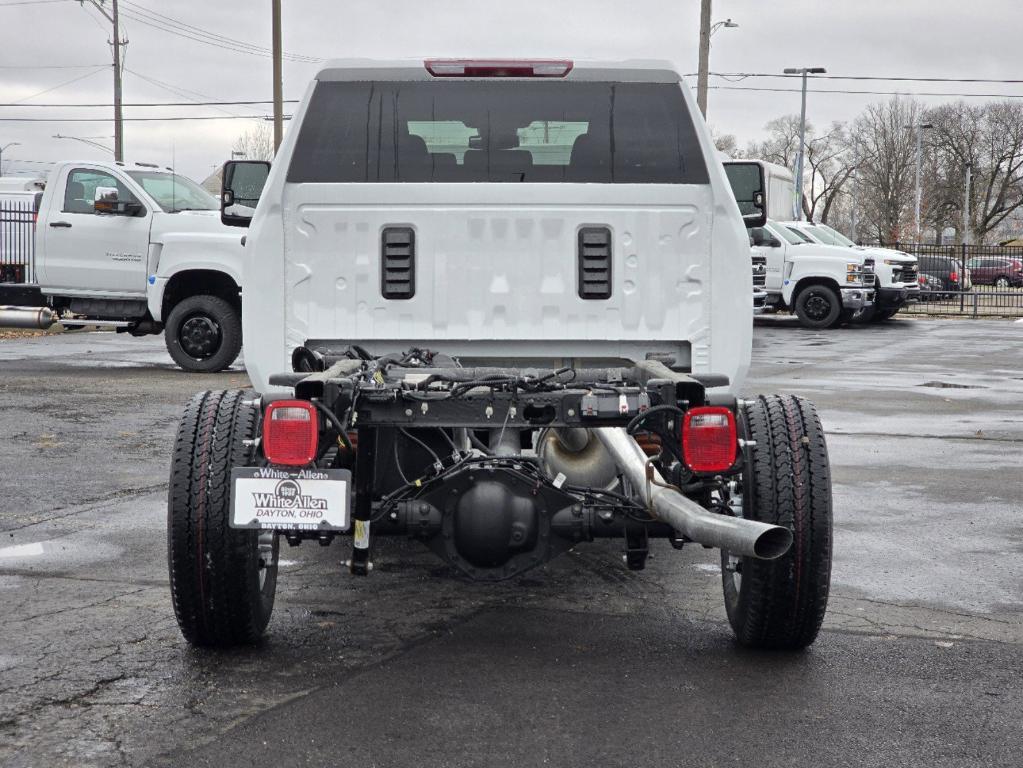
[[91, 143], [919, 132], [4, 147], [798, 202], [967, 237]]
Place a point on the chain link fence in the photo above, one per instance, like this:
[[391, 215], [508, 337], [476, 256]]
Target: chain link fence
[[967, 280]]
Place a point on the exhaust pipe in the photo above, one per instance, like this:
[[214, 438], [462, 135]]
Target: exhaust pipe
[[579, 456], [35, 318], [740, 537]]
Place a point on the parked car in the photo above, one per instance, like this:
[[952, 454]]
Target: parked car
[[999, 271], [932, 288], [949, 271]]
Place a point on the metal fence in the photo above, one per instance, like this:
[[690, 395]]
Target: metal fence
[[17, 241], [992, 290]]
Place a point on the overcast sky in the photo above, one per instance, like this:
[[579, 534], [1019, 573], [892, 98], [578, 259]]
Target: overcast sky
[[917, 38]]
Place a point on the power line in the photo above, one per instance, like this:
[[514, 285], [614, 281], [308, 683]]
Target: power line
[[867, 93], [19, 102], [190, 103], [174, 118], [143, 15], [31, 2], [52, 66], [743, 75]]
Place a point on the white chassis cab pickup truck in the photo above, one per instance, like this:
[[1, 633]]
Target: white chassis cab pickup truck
[[141, 249], [823, 285], [502, 308], [897, 272]]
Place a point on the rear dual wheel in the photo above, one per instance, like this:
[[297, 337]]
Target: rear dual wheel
[[780, 603], [223, 579]]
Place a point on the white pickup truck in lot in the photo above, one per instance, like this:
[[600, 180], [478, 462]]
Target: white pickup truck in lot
[[138, 248], [897, 273], [824, 286], [501, 308]]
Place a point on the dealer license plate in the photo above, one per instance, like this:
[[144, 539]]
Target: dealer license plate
[[304, 500]]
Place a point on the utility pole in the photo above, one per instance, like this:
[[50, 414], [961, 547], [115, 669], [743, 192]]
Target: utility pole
[[278, 77], [798, 202], [118, 116], [703, 71], [919, 131], [114, 20]]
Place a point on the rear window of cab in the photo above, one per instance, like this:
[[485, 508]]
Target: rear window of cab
[[486, 131]]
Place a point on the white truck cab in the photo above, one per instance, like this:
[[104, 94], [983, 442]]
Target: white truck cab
[[823, 285], [475, 291], [897, 272], [141, 248]]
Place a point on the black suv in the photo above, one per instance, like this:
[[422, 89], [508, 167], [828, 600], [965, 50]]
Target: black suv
[[948, 270]]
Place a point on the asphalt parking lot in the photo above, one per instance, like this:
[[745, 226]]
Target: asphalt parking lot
[[579, 663]]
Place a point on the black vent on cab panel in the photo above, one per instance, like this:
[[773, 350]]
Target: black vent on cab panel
[[398, 263], [595, 263]]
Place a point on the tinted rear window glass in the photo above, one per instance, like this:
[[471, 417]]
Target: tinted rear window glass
[[459, 131]]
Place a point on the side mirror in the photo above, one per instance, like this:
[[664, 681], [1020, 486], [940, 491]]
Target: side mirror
[[106, 201], [240, 190], [747, 180]]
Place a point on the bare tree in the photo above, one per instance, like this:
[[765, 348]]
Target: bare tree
[[782, 143], [724, 142], [830, 166], [883, 141], [257, 143], [989, 139], [827, 168]]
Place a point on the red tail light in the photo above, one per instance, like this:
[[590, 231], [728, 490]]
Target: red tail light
[[290, 433], [709, 441], [498, 67]]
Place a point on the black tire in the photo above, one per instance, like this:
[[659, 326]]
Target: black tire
[[780, 604], [203, 334], [1002, 283], [222, 581], [818, 307]]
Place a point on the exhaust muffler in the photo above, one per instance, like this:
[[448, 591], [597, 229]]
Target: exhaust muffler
[[33, 318], [740, 537]]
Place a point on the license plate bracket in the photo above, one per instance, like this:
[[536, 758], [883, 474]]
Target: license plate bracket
[[269, 498]]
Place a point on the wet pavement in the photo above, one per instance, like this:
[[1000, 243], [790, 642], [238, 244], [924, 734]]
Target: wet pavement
[[579, 663]]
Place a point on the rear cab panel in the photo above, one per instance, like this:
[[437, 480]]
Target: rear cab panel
[[496, 178]]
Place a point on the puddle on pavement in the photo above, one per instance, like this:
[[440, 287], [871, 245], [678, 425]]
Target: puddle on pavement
[[950, 385]]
